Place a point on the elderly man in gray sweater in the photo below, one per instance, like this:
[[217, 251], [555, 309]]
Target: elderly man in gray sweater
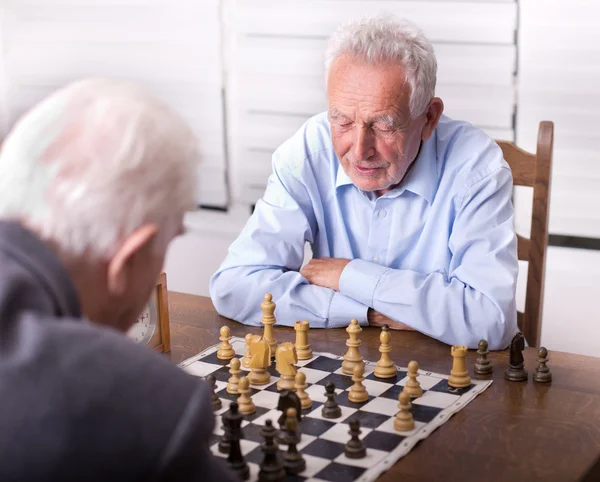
[[94, 183]]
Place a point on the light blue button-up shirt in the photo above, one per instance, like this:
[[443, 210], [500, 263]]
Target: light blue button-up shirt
[[437, 253]]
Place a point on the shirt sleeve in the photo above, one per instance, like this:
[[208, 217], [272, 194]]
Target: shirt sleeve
[[476, 298], [267, 257]]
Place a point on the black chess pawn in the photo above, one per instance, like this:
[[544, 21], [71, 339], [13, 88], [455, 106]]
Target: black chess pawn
[[293, 461], [516, 371], [542, 373], [271, 469], [235, 460], [330, 408], [215, 400], [483, 366], [354, 448]]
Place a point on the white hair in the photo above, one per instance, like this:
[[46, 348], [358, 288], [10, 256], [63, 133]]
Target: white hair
[[95, 161], [386, 39]]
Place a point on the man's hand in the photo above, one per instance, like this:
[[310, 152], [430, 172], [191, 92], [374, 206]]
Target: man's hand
[[377, 319], [325, 272]]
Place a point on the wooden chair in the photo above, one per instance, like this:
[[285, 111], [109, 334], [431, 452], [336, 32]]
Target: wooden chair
[[533, 170]]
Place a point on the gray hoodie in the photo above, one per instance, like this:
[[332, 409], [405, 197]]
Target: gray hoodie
[[83, 402]]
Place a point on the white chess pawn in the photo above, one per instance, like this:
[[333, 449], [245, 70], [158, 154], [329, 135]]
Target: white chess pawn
[[358, 392], [412, 387], [245, 403], [225, 351], [300, 387], [233, 383]]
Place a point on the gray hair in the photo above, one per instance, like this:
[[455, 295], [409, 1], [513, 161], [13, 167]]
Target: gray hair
[[386, 39], [95, 161]]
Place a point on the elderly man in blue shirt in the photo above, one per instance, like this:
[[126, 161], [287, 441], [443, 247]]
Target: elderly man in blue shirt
[[408, 212]]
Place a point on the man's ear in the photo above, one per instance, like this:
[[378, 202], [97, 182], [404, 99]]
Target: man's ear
[[434, 112], [120, 264]]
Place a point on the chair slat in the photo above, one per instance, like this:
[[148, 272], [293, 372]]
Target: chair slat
[[522, 163]]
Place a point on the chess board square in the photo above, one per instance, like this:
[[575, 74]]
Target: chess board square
[[200, 368], [272, 415], [317, 393], [340, 381], [273, 381], [324, 364], [272, 370], [219, 386], [442, 386], [247, 446], [372, 458], [423, 413], [312, 407], [222, 374], [305, 440], [253, 432], [426, 382], [383, 440], [393, 392], [225, 406], [399, 376], [336, 472], [313, 466], [219, 424], [375, 388], [303, 363], [384, 406], [315, 426], [324, 448], [339, 433], [212, 359], [260, 411], [266, 399], [346, 412], [234, 396], [342, 399], [436, 399], [255, 456], [367, 419], [239, 346], [313, 376], [388, 427]]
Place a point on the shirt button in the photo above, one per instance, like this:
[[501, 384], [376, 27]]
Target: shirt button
[[376, 259], [382, 213]]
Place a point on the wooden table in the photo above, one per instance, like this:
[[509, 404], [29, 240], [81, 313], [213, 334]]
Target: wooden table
[[513, 431]]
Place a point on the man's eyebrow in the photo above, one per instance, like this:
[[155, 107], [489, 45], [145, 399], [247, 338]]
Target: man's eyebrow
[[335, 113], [388, 120]]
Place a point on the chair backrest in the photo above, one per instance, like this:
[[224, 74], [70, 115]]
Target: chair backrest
[[533, 170]]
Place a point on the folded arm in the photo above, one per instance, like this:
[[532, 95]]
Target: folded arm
[[475, 299], [267, 257]]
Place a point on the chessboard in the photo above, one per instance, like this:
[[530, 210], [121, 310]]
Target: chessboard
[[322, 440]]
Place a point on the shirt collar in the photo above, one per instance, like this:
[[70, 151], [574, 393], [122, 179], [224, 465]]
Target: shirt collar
[[421, 179]]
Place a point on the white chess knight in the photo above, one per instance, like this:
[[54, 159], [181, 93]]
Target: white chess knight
[[285, 359]]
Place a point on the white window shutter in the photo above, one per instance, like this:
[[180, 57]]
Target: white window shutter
[[171, 48]]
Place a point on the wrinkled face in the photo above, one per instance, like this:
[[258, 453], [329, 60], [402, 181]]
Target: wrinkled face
[[373, 134]]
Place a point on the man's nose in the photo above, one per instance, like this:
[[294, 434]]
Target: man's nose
[[363, 147]]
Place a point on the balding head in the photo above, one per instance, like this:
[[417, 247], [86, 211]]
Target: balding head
[[103, 173], [93, 162]]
